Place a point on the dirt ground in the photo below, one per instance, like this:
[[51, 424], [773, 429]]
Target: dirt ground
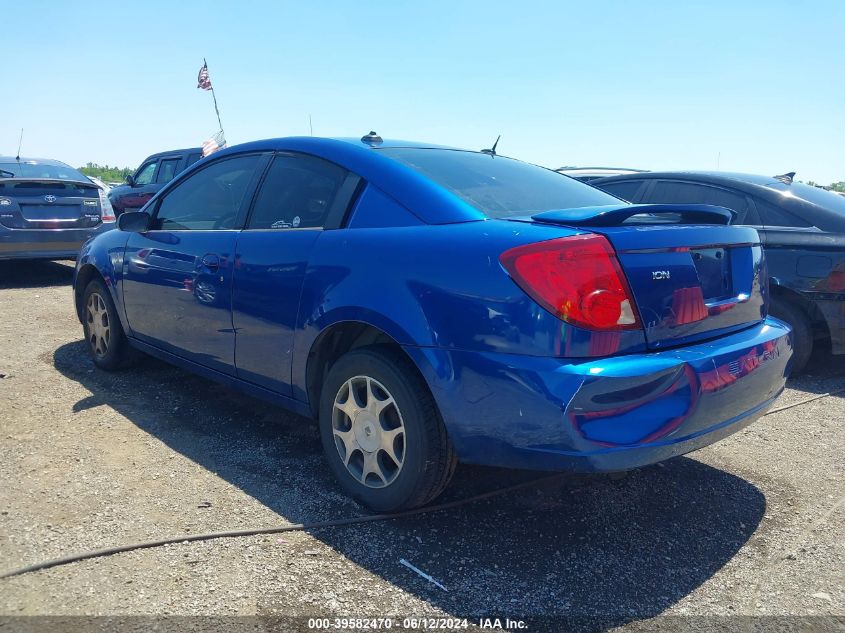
[[752, 526]]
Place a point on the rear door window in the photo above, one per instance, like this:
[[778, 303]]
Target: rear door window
[[298, 192], [167, 170], [673, 191], [625, 189]]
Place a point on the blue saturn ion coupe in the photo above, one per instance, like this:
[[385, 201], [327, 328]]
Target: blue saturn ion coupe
[[429, 305]]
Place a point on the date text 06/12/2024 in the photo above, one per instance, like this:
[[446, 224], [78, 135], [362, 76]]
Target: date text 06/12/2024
[[414, 623]]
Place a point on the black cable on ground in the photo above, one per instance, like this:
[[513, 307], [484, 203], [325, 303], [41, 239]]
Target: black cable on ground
[[805, 401], [300, 527], [294, 527]]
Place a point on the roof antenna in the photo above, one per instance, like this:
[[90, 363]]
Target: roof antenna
[[20, 142], [492, 150], [786, 178], [310, 127], [372, 139]]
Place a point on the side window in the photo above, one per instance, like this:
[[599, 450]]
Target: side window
[[192, 158], [625, 189], [145, 174], [297, 192], [668, 192], [209, 199], [731, 200], [771, 215], [167, 170]]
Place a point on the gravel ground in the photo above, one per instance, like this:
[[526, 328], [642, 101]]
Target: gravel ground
[[752, 526]]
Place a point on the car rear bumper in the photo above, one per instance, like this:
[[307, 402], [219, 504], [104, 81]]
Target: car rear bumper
[[610, 414], [46, 243]]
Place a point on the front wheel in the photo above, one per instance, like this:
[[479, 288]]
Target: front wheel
[[382, 433], [104, 336]]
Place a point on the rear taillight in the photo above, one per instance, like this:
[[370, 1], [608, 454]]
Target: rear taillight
[[578, 279], [106, 210]]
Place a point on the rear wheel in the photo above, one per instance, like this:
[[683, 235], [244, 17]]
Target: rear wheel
[[802, 332], [104, 336], [382, 433]]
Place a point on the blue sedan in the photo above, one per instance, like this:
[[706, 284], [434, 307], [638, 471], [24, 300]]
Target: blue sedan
[[429, 305]]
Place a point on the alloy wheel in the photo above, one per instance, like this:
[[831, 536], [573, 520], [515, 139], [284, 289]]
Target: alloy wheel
[[99, 328], [368, 431]]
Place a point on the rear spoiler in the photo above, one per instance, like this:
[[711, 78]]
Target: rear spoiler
[[613, 215], [64, 181]]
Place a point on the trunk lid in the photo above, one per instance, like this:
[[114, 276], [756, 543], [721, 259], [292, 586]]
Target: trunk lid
[[32, 203], [690, 281]]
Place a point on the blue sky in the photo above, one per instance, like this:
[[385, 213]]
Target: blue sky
[[750, 86]]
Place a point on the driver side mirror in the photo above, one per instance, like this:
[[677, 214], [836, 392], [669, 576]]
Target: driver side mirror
[[130, 180], [133, 221]]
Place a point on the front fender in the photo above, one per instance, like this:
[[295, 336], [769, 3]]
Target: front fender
[[102, 255]]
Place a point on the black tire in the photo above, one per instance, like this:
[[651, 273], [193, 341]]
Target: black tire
[[111, 350], [429, 459], [802, 332]]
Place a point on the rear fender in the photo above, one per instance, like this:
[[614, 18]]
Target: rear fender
[[438, 287]]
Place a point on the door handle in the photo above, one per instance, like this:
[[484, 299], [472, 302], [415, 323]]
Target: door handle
[[211, 261]]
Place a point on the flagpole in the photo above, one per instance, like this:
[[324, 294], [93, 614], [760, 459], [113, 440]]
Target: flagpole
[[214, 96]]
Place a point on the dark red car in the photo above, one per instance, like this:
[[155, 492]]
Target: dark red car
[[155, 172]]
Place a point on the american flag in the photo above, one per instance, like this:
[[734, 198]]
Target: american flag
[[203, 80], [215, 143]]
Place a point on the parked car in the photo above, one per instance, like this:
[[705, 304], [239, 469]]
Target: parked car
[[429, 305], [100, 183], [48, 209], [155, 172], [589, 174], [802, 229]]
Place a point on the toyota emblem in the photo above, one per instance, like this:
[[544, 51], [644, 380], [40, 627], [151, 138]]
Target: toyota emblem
[[50, 198]]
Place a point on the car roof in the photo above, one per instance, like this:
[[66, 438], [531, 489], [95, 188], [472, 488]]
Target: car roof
[[406, 185], [600, 170], [709, 176], [35, 161], [186, 150]]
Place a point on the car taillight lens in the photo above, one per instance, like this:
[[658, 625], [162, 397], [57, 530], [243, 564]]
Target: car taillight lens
[[106, 210], [578, 279]]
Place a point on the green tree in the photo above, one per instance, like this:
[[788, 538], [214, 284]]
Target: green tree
[[105, 172]]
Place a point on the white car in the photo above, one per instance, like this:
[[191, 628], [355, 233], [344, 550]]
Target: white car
[[106, 188], [587, 174]]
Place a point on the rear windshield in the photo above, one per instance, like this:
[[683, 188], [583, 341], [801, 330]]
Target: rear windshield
[[815, 195], [25, 169], [497, 186]]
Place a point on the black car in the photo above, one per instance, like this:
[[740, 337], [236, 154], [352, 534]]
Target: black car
[[155, 172], [803, 233]]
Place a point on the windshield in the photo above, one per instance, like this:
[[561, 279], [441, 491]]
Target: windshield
[[30, 169], [497, 186]]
